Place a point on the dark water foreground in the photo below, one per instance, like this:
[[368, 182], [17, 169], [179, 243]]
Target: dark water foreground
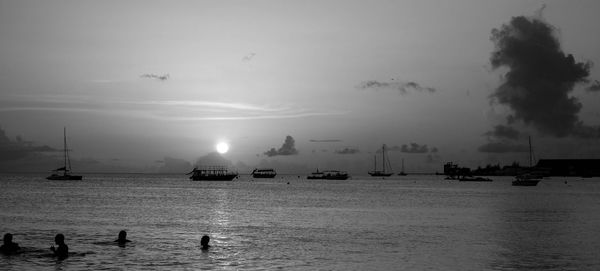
[[404, 223]]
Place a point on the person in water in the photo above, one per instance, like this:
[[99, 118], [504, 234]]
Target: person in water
[[62, 251], [9, 247], [122, 240], [204, 242]]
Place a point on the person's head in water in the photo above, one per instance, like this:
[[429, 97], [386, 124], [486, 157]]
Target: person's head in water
[[9, 247], [122, 237], [8, 238], [62, 251], [59, 239], [204, 242]]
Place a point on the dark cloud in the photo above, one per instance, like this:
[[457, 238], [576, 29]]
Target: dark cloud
[[502, 147], [19, 149], [503, 132], [403, 87], [287, 148], [325, 140], [347, 151], [540, 76], [595, 86], [163, 77], [414, 148], [248, 57]]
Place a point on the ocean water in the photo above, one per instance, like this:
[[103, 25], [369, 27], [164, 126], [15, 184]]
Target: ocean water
[[290, 223]]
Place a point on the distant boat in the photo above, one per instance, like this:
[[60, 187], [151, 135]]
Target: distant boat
[[528, 179], [212, 173], [474, 179], [263, 173], [328, 175], [64, 173], [383, 172], [402, 173]]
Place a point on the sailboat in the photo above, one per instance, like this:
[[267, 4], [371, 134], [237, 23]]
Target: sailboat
[[529, 179], [382, 173], [402, 173], [64, 173]]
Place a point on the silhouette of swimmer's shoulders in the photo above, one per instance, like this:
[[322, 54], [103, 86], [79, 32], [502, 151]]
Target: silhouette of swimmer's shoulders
[[204, 242], [122, 239], [62, 251], [9, 247]]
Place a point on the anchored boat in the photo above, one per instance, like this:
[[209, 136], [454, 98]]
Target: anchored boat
[[64, 173]]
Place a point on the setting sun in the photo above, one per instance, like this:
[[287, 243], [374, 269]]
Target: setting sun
[[222, 147]]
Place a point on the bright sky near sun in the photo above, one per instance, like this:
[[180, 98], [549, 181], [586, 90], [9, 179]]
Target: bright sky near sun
[[138, 81]]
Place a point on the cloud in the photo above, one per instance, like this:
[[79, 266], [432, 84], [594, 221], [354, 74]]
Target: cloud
[[595, 86], [325, 140], [402, 87], [347, 151], [434, 150], [414, 148], [19, 149], [248, 57], [163, 77], [287, 148], [501, 131], [211, 159], [540, 76], [163, 110], [502, 147], [174, 165]]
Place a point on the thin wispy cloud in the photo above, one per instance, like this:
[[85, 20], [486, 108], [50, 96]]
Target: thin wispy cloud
[[248, 57], [347, 150], [166, 110], [162, 77], [402, 87]]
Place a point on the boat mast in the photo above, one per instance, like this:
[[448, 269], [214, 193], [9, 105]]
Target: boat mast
[[375, 162], [383, 151], [65, 147], [530, 154]]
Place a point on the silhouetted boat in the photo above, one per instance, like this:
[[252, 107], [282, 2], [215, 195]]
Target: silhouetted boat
[[383, 172], [212, 173], [402, 173], [263, 173], [474, 179], [328, 175], [528, 179], [64, 173]]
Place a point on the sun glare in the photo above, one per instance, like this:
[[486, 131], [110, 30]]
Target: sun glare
[[222, 147]]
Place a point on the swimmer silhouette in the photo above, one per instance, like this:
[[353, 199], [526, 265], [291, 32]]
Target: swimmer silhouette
[[62, 251], [204, 242], [122, 240], [9, 247]]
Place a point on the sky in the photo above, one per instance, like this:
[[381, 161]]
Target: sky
[[156, 85]]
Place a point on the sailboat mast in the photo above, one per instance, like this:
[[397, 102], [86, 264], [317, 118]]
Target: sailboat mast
[[383, 151], [65, 147], [375, 162], [530, 154]]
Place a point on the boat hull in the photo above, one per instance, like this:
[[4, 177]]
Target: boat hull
[[328, 178], [380, 174], [525, 182], [264, 176], [65, 178], [228, 177]]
